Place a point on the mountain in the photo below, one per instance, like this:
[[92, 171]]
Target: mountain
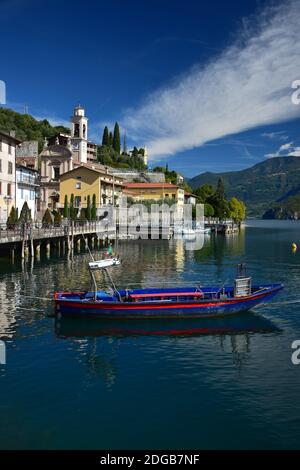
[[288, 208], [268, 185], [27, 127]]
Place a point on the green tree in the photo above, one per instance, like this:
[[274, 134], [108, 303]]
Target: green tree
[[88, 208], [25, 216], [105, 137], [116, 139], [47, 219], [57, 218], [237, 210], [66, 208], [94, 208], [12, 219], [72, 208], [110, 140], [219, 201], [204, 192], [208, 210]]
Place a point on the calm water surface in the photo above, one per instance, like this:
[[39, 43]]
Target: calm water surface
[[219, 384]]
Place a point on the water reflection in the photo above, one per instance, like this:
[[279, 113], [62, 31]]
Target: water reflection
[[245, 323], [232, 335]]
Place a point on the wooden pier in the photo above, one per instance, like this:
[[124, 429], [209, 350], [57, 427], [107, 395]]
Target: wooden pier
[[28, 239]]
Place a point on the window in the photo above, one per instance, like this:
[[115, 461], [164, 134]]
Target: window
[[9, 149], [0, 145], [78, 185], [0, 166], [56, 172], [8, 189], [22, 193], [10, 168], [31, 195]]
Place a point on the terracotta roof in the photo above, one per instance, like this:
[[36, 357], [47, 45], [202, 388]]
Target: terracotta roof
[[26, 161], [150, 185], [97, 168]]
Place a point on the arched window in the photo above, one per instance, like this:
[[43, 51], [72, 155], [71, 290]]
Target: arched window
[[76, 130]]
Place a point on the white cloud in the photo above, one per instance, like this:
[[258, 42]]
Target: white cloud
[[280, 135], [248, 85], [295, 152], [287, 149]]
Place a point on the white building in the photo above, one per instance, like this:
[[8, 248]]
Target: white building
[[8, 145], [26, 189], [79, 133]]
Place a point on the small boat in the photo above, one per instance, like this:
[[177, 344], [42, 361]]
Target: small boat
[[188, 234], [202, 230], [150, 303]]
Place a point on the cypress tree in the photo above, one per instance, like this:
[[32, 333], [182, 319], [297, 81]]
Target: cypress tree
[[25, 215], [105, 137], [12, 218], [88, 208], [110, 140], [94, 208], [72, 209], [66, 208], [47, 218], [220, 202], [57, 219], [116, 139]]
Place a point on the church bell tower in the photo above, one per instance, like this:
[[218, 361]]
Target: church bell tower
[[79, 134]]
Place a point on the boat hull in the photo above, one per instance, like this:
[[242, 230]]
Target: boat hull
[[151, 310]]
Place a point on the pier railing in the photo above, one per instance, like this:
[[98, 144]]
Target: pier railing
[[19, 232]]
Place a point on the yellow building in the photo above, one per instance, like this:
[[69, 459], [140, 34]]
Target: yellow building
[[155, 191], [87, 180]]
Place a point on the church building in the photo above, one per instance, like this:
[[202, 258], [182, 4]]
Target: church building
[[61, 154]]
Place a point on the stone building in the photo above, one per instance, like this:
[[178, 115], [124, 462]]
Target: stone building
[[8, 144], [61, 154]]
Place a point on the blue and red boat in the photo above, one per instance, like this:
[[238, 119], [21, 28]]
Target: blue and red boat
[[151, 303]]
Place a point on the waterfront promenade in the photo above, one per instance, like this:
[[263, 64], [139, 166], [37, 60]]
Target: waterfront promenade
[[29, 238]]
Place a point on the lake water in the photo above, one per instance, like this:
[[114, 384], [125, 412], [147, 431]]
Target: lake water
[[201, 384]]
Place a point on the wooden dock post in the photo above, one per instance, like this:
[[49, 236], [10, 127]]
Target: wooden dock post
[[38, 250], [48, 248], [31, 248]]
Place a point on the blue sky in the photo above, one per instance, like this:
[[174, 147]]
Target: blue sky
[[206, 85]]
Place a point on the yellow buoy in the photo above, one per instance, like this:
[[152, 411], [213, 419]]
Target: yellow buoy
[[294, 247]]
